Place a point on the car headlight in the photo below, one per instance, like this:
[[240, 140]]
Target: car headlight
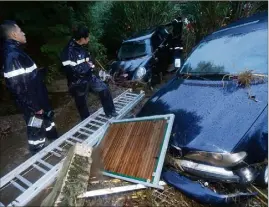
[[217, 159], [139, 73]]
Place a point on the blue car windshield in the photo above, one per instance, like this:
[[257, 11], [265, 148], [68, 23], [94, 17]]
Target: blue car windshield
[[230, 54], [133, 49]]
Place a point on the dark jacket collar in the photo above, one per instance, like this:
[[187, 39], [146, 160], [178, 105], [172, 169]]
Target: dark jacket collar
[[12, 42], [74, 43]]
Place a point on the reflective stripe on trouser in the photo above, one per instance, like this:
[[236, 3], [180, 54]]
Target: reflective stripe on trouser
[[51, 132], [37, 142], [36, 138]]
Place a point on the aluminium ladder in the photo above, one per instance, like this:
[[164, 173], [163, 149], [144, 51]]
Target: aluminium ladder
[[22, 184]]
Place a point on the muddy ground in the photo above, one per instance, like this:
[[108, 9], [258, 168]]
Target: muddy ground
[[14, 148]]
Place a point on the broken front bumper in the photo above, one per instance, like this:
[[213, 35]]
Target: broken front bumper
[[200, 193]]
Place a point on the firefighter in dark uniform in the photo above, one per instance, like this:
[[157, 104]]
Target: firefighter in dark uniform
[[25, 82], [176, 42], [78, 66]]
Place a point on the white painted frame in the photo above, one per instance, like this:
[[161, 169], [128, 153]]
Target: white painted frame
[[113, 190]]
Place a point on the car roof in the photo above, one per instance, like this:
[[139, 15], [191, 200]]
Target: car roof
[[245, 25], [139, 38], [142, 35]]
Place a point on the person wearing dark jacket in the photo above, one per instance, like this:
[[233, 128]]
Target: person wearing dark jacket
[[78, 66], [25, 82]]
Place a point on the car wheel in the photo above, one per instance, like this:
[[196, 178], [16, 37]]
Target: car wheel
[[262, 178]]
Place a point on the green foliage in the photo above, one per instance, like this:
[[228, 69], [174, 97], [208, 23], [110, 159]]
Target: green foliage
[[47, 24], [209, 16], [125, 18]]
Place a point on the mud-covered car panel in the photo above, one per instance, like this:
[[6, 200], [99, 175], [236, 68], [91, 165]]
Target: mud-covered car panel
[[201, 193]]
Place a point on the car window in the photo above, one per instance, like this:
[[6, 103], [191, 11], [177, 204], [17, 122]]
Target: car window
[[230, 54], [133, 49]]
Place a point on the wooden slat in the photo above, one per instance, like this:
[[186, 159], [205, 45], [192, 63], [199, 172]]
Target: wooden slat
[[132, 148]]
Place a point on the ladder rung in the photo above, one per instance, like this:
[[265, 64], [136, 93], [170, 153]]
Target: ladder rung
[[45, 163], [69, 142], [85, 133], [56, 154], [40, 169], [123, 101], [87, 129], [76, 139], [59, 148], [93, 124], [18, 186], [128, 99], [131, 94], [119, 108], [98, 121], [102, 117], [119, 104], [24, 180]]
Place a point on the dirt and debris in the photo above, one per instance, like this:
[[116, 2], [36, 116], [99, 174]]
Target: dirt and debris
[[146, 197]]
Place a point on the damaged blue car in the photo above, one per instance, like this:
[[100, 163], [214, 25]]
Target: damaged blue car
[[143, 57], [220, 100]]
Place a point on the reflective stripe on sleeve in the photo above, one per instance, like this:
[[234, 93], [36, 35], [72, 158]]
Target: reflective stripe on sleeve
[[72, 63], [20, 71]]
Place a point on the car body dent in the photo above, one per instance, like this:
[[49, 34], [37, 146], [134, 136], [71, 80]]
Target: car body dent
[[201, 193]]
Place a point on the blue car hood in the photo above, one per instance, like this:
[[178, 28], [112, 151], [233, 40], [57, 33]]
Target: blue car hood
[[129, 65], [208, 116]]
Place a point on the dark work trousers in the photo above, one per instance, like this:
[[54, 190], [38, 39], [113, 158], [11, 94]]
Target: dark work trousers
[[95, 85], [50, 128]]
